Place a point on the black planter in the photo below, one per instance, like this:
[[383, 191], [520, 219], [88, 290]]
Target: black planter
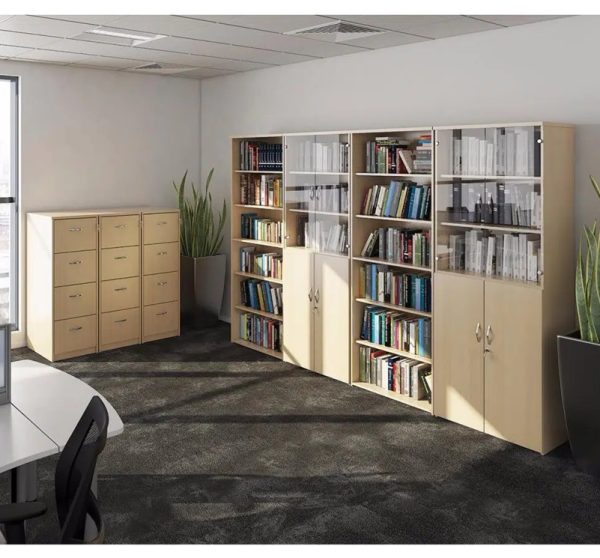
[[579, 368]]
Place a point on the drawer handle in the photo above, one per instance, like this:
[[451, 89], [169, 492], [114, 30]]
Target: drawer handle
[[120, 321], [75, 229], [120, 257], [161, 223], [121, 226], [162, 314], [163, 253], [76, 328], [119, 289], [75, 262], [161, 283], [77, 295]]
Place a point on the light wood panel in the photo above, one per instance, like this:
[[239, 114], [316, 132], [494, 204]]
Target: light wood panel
[[161, 227], [75, 336], [73, 235], [73, 268], [458, 381], [163, 287], [117, 263], [119, 294], [75, 300], [120, 328], [160, 258], [120, 230], [160, 320], [513, 363]]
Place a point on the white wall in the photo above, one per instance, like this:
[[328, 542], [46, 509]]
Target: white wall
[[95, 138], [545, 71]]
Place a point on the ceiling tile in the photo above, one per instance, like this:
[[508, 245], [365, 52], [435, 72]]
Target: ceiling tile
[[159, 24], [108, 62], [510, 20], [200, 73], [395, 22], [44, 26], [385, 40], [276, 23], [25, 39], [457, 25], [93, 19], [56, 56], [103, 49], [10, 51]]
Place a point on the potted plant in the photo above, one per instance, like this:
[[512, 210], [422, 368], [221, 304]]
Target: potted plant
[[579, 356], [203, 269]]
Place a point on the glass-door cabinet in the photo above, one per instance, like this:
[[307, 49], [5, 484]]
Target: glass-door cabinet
[[489, 201]]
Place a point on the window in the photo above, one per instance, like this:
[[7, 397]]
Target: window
[[9, 157]]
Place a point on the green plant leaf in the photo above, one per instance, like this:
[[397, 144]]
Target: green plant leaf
[[581, 299], [595, 184]]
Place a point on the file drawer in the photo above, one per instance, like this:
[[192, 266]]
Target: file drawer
[[119, 294], [161, 227], [161, 258], [74, 301], [75, 336], [75, 267], [74, 235], [116, 263], [119, 328], [163, 287], [122, 230], [160, 319]]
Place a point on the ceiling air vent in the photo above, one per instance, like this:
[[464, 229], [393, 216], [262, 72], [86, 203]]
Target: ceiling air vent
[[156, 68], [339, 31]]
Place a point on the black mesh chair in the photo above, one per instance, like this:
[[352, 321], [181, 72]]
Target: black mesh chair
[[75, 500]]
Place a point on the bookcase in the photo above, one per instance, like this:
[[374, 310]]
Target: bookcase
[[257, 243], [504, 277], [430, 265]]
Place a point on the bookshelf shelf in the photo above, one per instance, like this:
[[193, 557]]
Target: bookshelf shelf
[[393, 175], [392, 264], [368, 301], [255, 347], [330, 213], [260, 277], [248, 206], [262, 313], [474, 177], [492, 278], [415, 222], [393, 351], [319, 173], [487, 227], [257, 172], [422, 404], [258, 242]]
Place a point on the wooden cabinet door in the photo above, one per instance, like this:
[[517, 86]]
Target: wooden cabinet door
[[458, 349], [513, 363], [298, 331], [332, 316]]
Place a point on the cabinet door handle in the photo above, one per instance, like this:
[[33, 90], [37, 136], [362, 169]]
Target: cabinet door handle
[[310, 295], [317, 296], [121, 226], [119, 289], [478, 332], [161, 283], [489, 335], [162, 314], [74, 229], [75, 262], [163, 253], [76, 328], [120, 257], [76, 295], [120, 321]]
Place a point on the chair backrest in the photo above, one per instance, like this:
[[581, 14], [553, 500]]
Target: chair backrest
[[75, 473]]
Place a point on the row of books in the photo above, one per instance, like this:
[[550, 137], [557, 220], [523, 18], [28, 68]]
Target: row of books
[[260, 156], [398, 245], [396, 330], [400, 375], [422, 161], [262, 295], [261, 189], [394, 155], [514, 205], [264, 332], [497, 152], [510, 256], [323, 236], [266, 264], [322, 156], [380, 283], [405, 200], [260, 228], [332, 198]]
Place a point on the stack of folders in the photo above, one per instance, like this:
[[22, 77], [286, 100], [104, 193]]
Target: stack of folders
[[261, 331], [262, 295], [405, 200], [266, 264], [398, 246], [261, 189], [510, 256], [323, 156], [259, 228], [394, 373], [396, 330], [379, 283], [260, 156]]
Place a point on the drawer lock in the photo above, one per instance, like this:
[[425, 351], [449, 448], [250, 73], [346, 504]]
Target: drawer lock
[[75, 229]]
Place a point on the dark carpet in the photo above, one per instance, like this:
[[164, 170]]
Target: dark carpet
[[225, 445]]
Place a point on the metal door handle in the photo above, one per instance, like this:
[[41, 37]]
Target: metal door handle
[[121, 226], [120, 257], [120, 321], [161, 223], [161, 253], [75, 229], [317, 296], [161, 283], [75, 262], [76, 328], [118, 290], [77, 295], [489, 336], [478, 332], [310, 294], [162, 313]]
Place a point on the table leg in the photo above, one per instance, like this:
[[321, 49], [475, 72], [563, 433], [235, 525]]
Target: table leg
[[24, 483]]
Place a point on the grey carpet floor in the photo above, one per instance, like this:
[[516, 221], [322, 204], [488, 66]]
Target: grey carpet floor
[[225, 445]]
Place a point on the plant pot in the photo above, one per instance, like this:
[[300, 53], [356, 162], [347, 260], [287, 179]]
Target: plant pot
[[202, 288], [579, 370]]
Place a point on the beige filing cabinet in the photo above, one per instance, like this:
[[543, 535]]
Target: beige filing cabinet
[[95, 283]]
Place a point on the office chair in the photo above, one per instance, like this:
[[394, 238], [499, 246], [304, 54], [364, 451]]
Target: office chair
[[75, 500]]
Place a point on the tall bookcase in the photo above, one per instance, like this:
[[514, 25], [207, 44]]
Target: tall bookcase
[[257, 164], [472, 268]]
